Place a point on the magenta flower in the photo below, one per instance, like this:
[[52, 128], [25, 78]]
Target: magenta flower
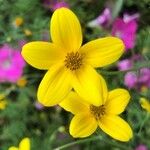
[[141, 147], [126, 30], [130, 79], [125, 64], [11, 64], [102, 20], [54, 4]]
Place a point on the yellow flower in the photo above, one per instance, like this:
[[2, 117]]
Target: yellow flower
[[144, 89], [24, 145], [27, 32], [22, 82], [145, 104], [18, 21], [2, 96], [88, 117], [69, 65], [3, 102]]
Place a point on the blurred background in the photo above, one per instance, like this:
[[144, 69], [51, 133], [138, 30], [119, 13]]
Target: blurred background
[[21, 115]]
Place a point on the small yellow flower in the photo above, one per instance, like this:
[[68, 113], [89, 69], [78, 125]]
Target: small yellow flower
[[145, 50], [61, 129], [69, 65], [18, 21], [144, 89], [3, 102], [88, 117], [9, 39], [24, 145], [2, 96], [22, 82], [145, 104], [27, 32]]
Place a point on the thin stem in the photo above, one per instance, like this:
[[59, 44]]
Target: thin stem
[[89, 140], [143, 122], [117, 8], [9, 90], [124, 71], [112, 142], [34, 75], [78, 142]]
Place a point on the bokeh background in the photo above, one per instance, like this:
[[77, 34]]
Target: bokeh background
[[22, 116]]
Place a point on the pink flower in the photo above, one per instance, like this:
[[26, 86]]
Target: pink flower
[[54, 4], [38, 106], [130, 79], [125, 64], [144, 77], [141, 147], [128, 18], [102, 20], [126, 30], [133, 80], [11, 64], [21, 43]]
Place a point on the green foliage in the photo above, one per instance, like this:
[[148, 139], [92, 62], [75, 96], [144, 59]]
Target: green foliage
[[21, 119]]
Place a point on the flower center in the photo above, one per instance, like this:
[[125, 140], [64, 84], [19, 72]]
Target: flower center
[[98, 112], [6, 64], [73, 60]]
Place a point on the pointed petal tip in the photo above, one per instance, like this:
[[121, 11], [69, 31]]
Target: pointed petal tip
[[65, 29], [121, 43]]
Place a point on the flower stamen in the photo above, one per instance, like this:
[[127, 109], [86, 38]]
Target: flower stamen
[[97, 112], [73, 60]]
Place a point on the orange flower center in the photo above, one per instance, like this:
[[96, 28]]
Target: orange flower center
[[97, 112], [73, 60]]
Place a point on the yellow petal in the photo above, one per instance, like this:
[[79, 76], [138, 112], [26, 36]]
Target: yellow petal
[[82, 125], [13, 148], [74, 103], [103, 51], [24, 144], [42, 55], [65, 29], [90, 85], [117, 101], [54, 86], [145, 104], [116, 127], [3, 104]]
